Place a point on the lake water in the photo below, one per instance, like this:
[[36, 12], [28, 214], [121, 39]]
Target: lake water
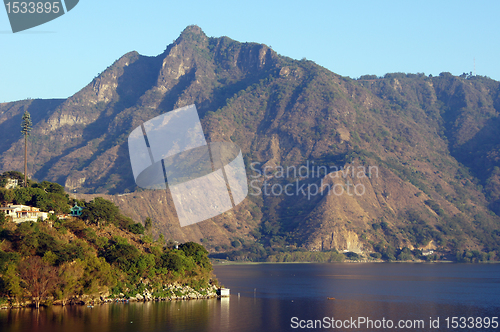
[[279, 297]]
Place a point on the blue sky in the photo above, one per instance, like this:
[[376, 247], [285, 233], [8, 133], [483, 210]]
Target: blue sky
[[351, 38]]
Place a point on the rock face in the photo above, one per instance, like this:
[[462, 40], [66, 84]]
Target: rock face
[[432, 141]]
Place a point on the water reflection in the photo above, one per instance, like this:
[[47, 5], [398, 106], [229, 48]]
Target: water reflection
[[150, 316], [396, 292], [224, 315]]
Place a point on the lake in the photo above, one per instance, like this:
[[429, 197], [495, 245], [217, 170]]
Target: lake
[[291, 297]]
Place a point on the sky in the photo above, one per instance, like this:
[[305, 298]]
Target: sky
[[350, 38]]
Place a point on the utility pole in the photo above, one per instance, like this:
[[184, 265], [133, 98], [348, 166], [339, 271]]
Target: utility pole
[[25, 130]]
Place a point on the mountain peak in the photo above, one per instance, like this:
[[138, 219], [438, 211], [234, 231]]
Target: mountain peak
[[192, 29], [192, 34]]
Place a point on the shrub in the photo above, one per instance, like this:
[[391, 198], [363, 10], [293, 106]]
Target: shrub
[[352, 255], [136, 228]]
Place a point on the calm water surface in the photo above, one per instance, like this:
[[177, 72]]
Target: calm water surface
[[270, 295]]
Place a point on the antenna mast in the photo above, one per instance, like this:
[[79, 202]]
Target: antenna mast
[[474, 66]]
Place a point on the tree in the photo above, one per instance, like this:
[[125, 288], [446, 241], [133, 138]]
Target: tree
[[173, 261], [39, 277], [38, 197], [125, 255], [69, 277], [11, 282], [136, 228], [6, 195], [25, 130], [99, 210], [161, 240], [148, 223], [198, 252]]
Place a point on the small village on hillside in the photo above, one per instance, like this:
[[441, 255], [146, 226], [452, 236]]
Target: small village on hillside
[[21, 213]]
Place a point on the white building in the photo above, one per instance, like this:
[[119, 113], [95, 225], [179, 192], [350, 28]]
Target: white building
[[11, 183], [22, 213], [427, 252]]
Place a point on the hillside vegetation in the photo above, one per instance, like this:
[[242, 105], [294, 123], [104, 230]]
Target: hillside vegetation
[[102, 255]]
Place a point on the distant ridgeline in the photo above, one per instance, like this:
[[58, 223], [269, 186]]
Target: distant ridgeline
[[433, 140], [101, 255]]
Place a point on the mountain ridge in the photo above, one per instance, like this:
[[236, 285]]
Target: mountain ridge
[[432, 138]]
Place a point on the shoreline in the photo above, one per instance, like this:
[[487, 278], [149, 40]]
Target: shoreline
[[228, 262], [107, 301], [178, 293]]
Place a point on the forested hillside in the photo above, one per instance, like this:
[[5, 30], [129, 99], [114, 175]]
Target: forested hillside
[[98, 256]]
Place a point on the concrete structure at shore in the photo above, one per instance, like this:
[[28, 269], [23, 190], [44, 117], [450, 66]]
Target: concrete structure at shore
[[223, 292]]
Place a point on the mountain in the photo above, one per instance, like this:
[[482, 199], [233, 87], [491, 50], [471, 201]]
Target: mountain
[[429, 142]]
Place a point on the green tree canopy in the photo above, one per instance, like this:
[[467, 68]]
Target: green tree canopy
[[197, 251], [99, 210]]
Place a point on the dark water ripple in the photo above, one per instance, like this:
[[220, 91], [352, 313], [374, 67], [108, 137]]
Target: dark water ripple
[[272, 294]]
